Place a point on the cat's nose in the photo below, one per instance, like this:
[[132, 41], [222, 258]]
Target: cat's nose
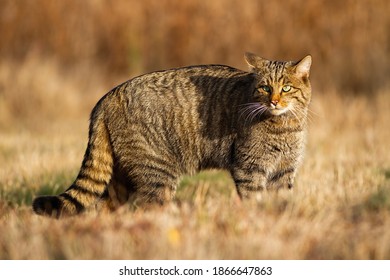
[[274, 102]]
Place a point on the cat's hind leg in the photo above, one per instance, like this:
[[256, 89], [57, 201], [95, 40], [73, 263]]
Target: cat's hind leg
[[153, 180]]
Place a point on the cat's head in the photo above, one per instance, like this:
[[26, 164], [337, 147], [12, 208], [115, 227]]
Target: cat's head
[[281, 87]]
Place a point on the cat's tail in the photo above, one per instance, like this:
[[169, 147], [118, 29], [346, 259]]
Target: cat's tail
[[94, 176]]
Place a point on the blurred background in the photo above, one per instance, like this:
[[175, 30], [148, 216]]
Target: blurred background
[[58, 57]]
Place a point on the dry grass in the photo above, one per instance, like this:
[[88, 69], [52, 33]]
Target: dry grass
[[340, 208], [54, 69]]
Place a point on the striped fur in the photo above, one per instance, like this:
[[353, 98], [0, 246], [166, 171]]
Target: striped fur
[[149, 131]]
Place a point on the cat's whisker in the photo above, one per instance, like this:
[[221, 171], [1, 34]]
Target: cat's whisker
[[251, 110], [296, 112], [246, 107], [261, 112], [311, 115], [251, 114], [313, 112], [305, 113], [257, 112], [309, 118], [248, 111]]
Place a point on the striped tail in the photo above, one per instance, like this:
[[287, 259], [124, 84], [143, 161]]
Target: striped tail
[[92, 180]]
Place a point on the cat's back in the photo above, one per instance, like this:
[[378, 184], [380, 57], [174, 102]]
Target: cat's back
[[185, 73], [180, 93], [186, 80]]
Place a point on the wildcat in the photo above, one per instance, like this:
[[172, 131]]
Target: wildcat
[[147, 132]]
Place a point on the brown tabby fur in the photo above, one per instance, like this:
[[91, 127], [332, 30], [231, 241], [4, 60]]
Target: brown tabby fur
[[147, 132]]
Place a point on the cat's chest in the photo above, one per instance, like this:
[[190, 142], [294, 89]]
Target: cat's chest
[[281, 143], [273, 149]]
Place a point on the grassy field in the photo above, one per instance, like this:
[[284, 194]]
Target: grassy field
[[59, 57], [339, 209]]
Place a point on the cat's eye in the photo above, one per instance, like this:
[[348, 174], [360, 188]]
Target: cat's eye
[[267, 89], [286, 88]]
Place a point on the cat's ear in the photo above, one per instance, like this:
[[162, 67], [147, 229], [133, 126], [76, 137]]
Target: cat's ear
[[302, 67], [254, 61]]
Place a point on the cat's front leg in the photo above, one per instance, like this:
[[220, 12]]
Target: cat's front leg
[[250, 183], [282, 179]]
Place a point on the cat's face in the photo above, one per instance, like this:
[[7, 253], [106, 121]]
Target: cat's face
[[281, 87]]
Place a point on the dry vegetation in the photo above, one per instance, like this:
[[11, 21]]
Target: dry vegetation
[[59, 57]]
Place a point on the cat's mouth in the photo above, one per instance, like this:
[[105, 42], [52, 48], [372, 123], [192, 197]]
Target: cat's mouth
[[277, 110]]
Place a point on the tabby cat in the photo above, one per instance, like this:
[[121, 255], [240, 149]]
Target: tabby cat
[[147, 132]]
